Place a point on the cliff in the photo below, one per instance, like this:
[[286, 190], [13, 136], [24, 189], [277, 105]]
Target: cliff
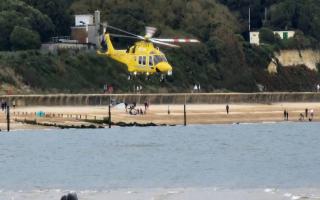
[[288, 58]]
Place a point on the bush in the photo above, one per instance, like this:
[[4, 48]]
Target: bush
[[23, 39], [266, 36]]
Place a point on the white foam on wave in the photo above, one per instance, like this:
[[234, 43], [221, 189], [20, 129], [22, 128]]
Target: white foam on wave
[[173, 192], [57, 190], [287, 195], [294, 197], [39, 191], [90, 191], [270, 190], [271, 122]]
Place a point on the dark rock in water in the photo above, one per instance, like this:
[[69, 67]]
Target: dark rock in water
[[64, 197], [70, 196], [123, 124]]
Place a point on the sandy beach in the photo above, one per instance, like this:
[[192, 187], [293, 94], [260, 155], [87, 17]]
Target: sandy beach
[[164, 114]]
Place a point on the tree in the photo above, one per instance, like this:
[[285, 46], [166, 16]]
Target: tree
[[17, 13], [58, 11], [22, 39], [9, 19], [267, 36]]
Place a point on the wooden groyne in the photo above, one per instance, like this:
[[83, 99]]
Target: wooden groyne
[[176, 98]]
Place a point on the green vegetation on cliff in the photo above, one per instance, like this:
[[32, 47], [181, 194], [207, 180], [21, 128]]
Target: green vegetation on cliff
[[224, 61]]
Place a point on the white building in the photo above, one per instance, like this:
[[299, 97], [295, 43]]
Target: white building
[[254, 36], [83, 20], [86, 29]]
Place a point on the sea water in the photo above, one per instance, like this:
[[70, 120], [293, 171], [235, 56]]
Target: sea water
[[139, 163]]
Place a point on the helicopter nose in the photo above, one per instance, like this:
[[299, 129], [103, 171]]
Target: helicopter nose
[[164, 67]]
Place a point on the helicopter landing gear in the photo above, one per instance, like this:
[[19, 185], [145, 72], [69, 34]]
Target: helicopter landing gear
[[148, 76], [162, 78], [132, 76]]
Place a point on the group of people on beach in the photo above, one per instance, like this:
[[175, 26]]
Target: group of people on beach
[[196, 88], [307, 115], [133, 110], [4, 105]]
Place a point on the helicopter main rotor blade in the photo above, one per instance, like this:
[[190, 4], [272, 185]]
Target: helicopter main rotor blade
[[177, 40], [163, 43], [126, 32], [150, 31], [123, 36]]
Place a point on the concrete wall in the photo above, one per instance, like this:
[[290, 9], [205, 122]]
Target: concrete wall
[[200, 98]]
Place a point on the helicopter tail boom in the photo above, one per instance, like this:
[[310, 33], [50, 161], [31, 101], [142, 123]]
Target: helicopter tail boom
[[110, 48], [106, 45]]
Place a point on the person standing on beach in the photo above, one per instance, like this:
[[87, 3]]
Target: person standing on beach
[[318, 87], [5, 105], [285, 114], [311, 113], [145, 106], [306, 112], [227, 109], [301, 117], [195, 88], [126, 106]]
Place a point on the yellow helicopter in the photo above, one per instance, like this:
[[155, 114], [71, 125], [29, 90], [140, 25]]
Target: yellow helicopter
[[143, 57]]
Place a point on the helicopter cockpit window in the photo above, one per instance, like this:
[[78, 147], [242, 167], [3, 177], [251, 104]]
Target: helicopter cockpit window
[[164, 59], [150, 61], [159, 58]]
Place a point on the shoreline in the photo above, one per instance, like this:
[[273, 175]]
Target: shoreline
[[175, 193], [171, 115]]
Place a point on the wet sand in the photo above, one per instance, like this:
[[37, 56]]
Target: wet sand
[[158, 114]]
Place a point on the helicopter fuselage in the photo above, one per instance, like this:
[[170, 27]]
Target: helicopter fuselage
[[141, 58]]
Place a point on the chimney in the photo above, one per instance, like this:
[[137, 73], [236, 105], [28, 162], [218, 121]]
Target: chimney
[[97, 17], [97, 25]]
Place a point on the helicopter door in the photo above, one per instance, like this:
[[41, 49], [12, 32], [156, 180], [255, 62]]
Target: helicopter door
[[142, 61]]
